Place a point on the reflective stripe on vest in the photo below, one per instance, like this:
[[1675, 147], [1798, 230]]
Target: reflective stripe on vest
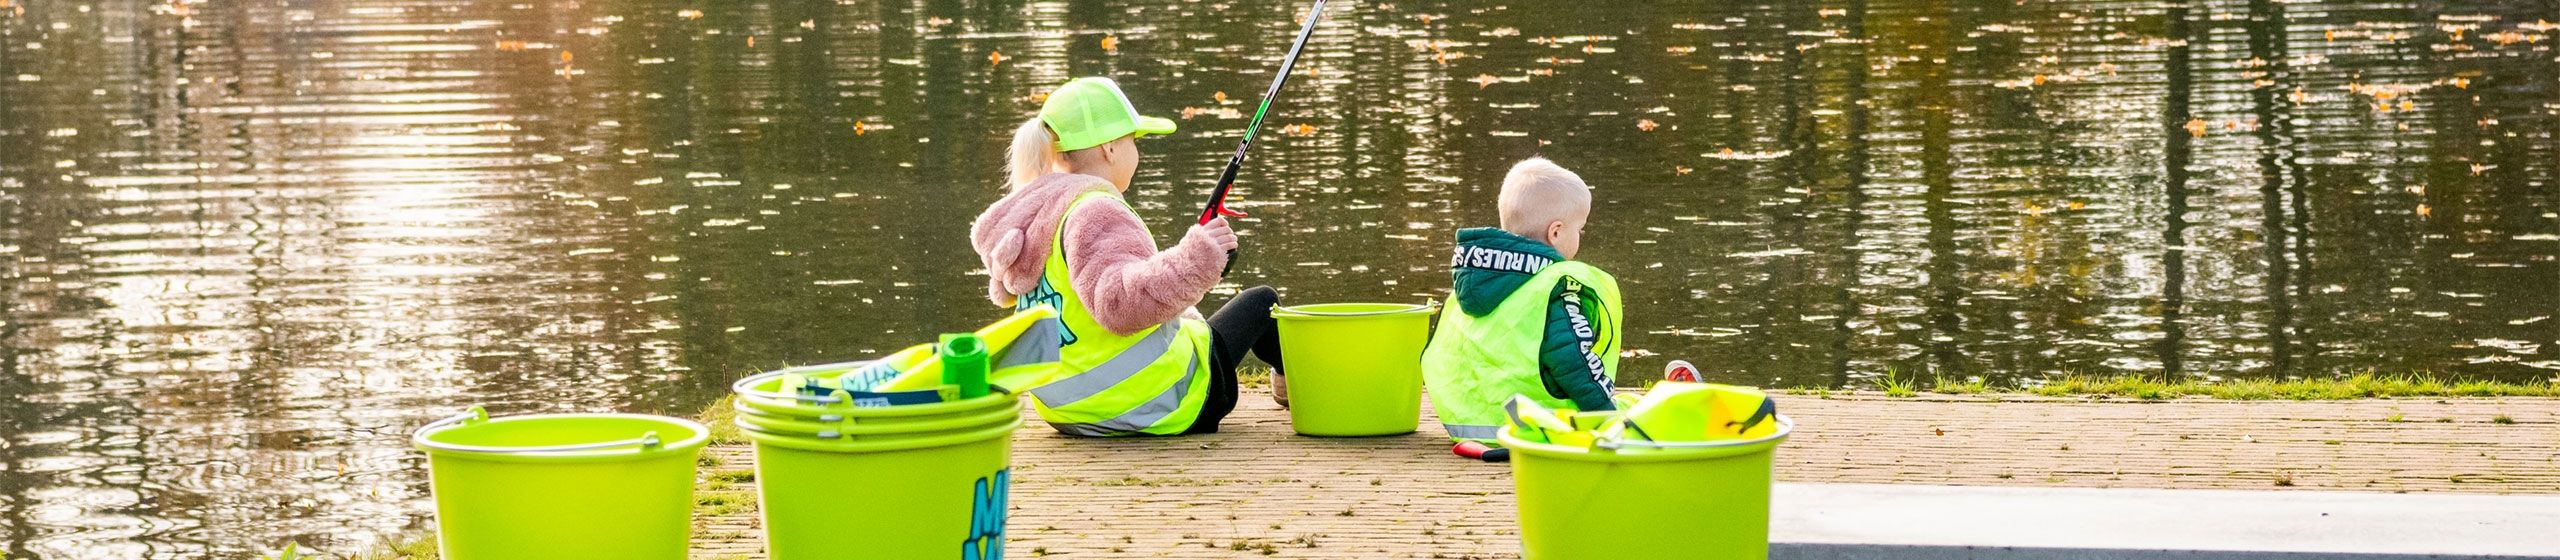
[[1472, 431], [1475, 364], [1136, 419], [1119, 368], [1038, 345]]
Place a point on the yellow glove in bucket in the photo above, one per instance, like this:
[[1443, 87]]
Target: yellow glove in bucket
[[1678, 411]]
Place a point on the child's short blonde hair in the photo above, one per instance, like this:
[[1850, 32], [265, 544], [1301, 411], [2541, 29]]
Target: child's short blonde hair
[[1538, 192]]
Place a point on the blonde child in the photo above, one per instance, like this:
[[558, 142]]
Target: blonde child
[[1523, 318], [1140, 360]]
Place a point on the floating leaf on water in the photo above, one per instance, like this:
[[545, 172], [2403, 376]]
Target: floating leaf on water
[[1729, 154], [995, 57], [1111, 43], [1646, 125], [1485, 80], [1220, 112], [1221, 96]]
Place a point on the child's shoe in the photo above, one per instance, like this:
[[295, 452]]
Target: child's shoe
[[1280, 389]]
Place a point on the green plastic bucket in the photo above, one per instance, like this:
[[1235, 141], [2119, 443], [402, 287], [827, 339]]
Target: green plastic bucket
[[1638, 499], [1355, 369], [939, 495], [562, 485]]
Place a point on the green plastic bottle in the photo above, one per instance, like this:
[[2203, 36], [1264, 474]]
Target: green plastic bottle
[[964, 364]]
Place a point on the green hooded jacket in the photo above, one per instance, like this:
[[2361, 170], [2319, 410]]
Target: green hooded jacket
[[1563, 364]]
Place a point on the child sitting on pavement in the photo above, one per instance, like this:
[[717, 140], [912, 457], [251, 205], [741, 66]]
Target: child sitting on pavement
[[1524, 319]]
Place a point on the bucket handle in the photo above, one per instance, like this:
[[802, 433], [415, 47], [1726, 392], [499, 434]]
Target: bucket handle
[[478, 415], [821, 434], [741, 385], [1427, 305], [1785, 425]]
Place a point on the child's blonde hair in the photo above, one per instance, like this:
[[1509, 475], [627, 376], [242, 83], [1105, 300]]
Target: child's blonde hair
[[1538, 192], [1034, 153]]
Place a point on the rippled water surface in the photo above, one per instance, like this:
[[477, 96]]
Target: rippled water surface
[[245, 246]]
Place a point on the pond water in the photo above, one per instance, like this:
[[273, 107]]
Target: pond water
[[245, 247]]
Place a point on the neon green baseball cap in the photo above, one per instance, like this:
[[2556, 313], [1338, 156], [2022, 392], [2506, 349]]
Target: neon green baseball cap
[[1088, 112]]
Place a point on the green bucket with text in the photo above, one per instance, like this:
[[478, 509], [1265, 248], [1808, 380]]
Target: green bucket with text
[[562, 485], [1355, 369], [936, 495], [1637, 499]]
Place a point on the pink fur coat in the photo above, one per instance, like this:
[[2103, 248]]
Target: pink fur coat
[[1112, 261]]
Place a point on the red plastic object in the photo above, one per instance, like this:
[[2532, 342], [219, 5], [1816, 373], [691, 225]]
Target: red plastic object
[[1481, 452]]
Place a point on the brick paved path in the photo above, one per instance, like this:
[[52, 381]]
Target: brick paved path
[[1258, 491]]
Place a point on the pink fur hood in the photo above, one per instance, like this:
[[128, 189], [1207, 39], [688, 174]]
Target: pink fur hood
[[1113, 263]]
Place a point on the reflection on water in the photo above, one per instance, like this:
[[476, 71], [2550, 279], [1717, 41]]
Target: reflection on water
[[244, 247]]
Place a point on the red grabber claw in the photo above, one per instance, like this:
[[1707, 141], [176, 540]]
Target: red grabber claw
[[1481, 452]]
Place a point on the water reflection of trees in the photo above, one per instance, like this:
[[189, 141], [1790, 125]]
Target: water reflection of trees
[[259, 263]]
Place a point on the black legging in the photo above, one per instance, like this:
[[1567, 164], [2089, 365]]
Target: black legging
[[1243, 325]]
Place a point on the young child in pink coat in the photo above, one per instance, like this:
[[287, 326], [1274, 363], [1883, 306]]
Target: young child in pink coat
[[1120, 277]]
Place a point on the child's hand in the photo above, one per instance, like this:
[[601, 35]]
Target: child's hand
[[1218, 233]]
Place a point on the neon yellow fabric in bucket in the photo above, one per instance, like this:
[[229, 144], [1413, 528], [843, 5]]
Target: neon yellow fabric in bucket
[[1355, 369], [562, 485], [1637, 499], [932, 496], [762, 394]]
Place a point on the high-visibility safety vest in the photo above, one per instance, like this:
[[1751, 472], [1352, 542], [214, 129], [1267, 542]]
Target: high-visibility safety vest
[[1150, 382], [1475, 364]]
